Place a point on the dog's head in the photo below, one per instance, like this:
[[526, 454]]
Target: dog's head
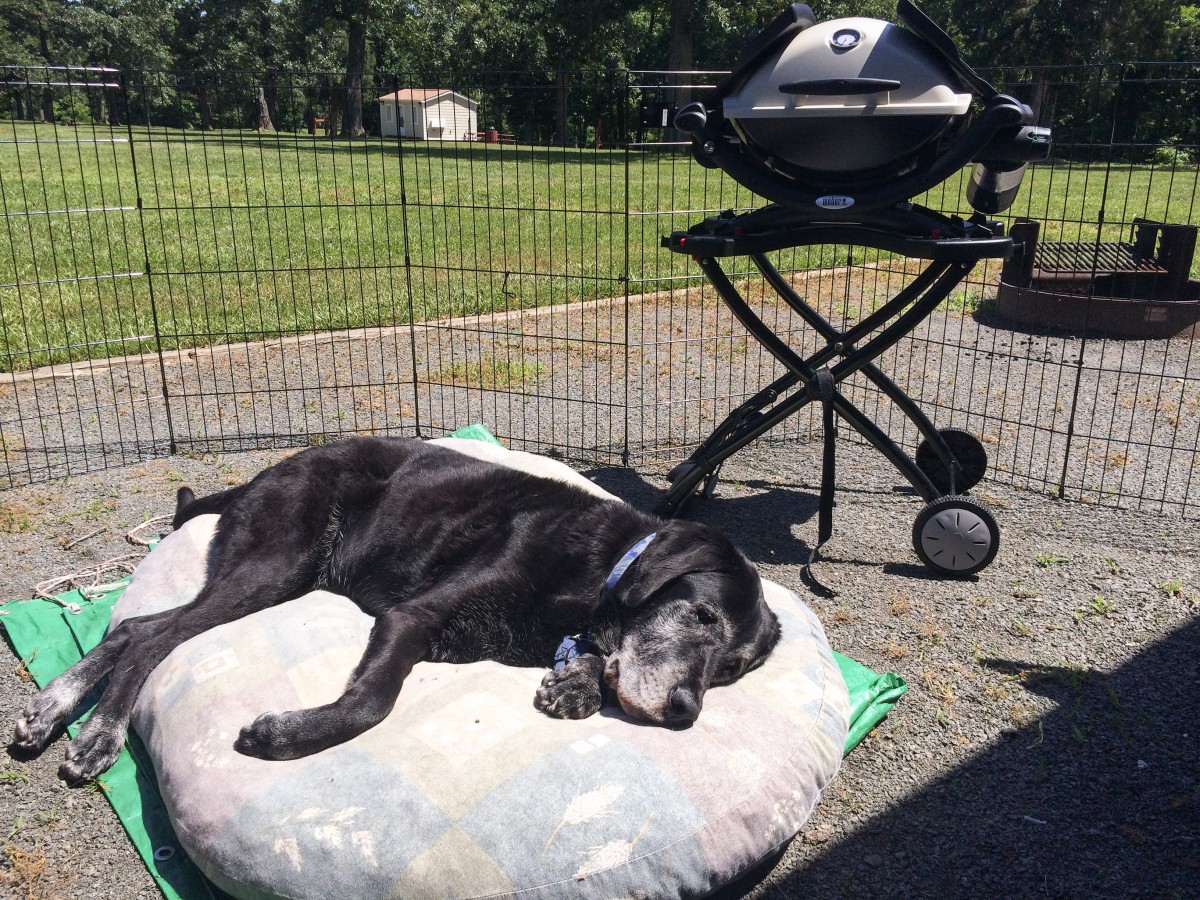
[[692, 616]]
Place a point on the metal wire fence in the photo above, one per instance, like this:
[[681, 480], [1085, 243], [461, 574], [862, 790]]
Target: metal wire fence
[[191, 263]]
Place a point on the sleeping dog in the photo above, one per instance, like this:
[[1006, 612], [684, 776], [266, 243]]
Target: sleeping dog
[[458, 560]]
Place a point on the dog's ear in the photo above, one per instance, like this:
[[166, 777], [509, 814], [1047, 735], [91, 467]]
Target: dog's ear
[[184, 497], [681, 548]]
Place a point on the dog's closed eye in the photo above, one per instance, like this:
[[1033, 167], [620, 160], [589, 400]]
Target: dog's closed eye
[[730, 671]]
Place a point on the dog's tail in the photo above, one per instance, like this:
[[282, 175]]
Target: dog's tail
[[188, 506]]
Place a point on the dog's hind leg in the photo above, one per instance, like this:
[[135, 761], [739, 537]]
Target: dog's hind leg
[[399, 640], [49, 710]]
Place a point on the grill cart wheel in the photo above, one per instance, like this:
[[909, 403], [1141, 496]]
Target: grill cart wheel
[[956, 536], [966, 448]]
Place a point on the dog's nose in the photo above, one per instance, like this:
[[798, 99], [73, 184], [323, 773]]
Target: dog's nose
[[683, 707]]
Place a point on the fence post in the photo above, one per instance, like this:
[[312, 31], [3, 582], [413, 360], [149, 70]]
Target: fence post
[[1091, 291], [137, 187], [412, 316], [623, 93]]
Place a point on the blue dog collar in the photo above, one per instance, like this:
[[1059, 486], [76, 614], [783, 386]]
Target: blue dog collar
[[575, 645], [572, 647], [625, 562]]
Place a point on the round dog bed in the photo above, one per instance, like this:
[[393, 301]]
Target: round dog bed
[[466, 790]]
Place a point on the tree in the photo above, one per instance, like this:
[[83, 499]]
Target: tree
[[219, 42], [356, 16], [1057, 32], [33, 33]]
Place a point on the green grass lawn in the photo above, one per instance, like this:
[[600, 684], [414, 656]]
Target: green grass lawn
[[247, 236]]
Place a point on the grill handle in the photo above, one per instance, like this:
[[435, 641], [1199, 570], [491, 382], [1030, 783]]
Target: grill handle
[[928, 30], [840, 87], [779, 31]]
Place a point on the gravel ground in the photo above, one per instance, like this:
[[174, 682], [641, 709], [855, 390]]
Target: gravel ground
[[1047, 747], [599, 379]]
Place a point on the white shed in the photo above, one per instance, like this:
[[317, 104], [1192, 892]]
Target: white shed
[[430, 114]]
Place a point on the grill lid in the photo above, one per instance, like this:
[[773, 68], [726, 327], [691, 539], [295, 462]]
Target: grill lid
[[858, 114], [849, 68]]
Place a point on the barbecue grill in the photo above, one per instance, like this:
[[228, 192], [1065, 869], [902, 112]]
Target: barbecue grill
[[840, 124]]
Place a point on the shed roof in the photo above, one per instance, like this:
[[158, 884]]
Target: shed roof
[[424, 96]]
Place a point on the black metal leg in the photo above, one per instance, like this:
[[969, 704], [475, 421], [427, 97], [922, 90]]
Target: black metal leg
[[684, 485], [843, 343], [750, 421], [881, 441], [822, 326], [747, 410], [905, 322]]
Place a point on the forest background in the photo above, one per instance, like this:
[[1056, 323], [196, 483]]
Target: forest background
[[349, 41]]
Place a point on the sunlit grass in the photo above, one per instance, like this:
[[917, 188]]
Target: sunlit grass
[[211, 237]]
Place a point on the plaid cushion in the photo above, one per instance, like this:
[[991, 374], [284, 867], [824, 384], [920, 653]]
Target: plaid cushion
[[465, 790]]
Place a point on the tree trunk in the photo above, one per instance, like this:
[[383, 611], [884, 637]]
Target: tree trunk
[[99, 106], [1042, 101], [269, 91], [356, 58], [206, 119], [271, 87], [263, 117], [47, 113], [337, 100], [679, 50], [560, 118]]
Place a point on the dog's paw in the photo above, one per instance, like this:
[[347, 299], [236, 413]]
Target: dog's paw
[[572, 692], [94, 750], [270, 736], [43, 720]]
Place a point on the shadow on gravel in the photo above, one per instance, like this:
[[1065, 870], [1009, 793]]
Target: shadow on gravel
[[760, 523], [921, 573], [1099, 798]]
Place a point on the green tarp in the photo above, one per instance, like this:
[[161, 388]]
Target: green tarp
[[871, 697], [50, 637]]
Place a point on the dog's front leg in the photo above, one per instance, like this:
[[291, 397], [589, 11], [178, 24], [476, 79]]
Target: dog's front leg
[[574, 691], [101, 737], [399, 640]]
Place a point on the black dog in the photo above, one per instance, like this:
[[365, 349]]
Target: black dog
[[458, 560]]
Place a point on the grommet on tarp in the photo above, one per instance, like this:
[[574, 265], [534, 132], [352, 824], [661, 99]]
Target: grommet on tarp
[[162, 854]]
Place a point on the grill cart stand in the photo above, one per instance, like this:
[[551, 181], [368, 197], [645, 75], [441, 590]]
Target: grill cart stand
[[953, 534], [840, 124]]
